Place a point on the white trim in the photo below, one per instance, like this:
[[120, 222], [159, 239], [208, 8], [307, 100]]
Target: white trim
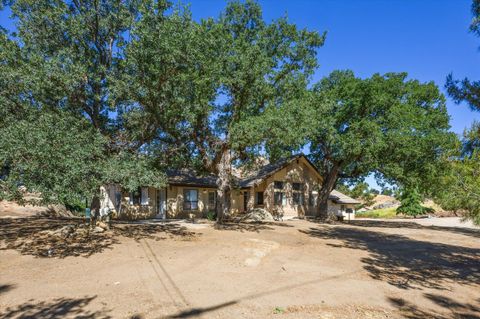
[[144, 196]]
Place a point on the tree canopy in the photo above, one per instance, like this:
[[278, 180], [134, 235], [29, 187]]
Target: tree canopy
[[411, 203], [62, 129], [457, 189], [387, 124], [215, 84], [98, 92]]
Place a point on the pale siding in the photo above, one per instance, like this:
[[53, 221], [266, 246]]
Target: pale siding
[[175, 201], [130, 211], [299, 171], [335, 210]]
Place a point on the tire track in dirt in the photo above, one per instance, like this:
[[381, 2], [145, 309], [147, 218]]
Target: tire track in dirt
[[166, 281]]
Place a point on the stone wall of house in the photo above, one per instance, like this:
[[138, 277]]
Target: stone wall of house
[[175, 202], [299, 171]]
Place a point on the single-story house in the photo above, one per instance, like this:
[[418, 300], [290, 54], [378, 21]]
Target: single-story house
[[287, 187]]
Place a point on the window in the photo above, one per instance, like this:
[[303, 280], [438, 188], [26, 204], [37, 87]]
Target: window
[[342, 208], [135, 197], [278, 185], [297, 194], [297, 186], [311, 199], [297, 198], [211, 199], [279, 199], [144, 196], [190, 199], [259, 198]]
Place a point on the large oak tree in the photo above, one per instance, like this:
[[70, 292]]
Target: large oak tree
[[62, 131], [386, 124], [221, 79]]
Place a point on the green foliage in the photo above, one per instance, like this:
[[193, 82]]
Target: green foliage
[[467, 90], [387, 192], [209, 92], [211, 216], [359, 190], [278, 310], [411, 203], [51, 153], [119, 90], [63, 132], [386, 124], [132, 171], [342, 188], [62, 157], [368, 199], [457, 189]]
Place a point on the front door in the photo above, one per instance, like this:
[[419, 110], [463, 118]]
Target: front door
[[161, 203]]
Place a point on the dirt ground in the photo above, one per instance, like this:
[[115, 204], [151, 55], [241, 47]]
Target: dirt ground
[[294, 269]]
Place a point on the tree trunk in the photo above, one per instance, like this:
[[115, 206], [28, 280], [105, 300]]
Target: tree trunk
[[94, 211], [330, 179], [223, 186]]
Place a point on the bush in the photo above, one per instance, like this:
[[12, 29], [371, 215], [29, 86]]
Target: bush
[[411, 204], [212, 216]]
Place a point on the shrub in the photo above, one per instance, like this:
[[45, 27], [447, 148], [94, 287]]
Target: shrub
[[211, 216], [411, 204]]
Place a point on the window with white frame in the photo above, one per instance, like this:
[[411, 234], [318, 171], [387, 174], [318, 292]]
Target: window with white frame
[[297, 193], [135, 197], [190, 199], [279, 199], [144, 196]]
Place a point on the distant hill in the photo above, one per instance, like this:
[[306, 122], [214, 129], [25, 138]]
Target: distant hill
[[382, 201]]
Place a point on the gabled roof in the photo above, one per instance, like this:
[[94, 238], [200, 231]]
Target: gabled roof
[[270, 169], [189, 177], [341, 198]]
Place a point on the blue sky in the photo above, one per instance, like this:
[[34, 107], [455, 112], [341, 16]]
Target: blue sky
[[428, 39]]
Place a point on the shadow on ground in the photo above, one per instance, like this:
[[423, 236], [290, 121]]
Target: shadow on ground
[[141, 231], [58, 308], [64, 237], [404, 262], [250, 226], [451, 308], [6, 288]]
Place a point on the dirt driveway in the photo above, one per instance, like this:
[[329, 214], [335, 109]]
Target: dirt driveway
[[295, 269]]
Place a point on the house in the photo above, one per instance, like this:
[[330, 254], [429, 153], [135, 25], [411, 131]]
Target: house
[[287, 187]]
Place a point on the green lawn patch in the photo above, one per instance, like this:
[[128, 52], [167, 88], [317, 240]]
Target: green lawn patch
[[379, 213]]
